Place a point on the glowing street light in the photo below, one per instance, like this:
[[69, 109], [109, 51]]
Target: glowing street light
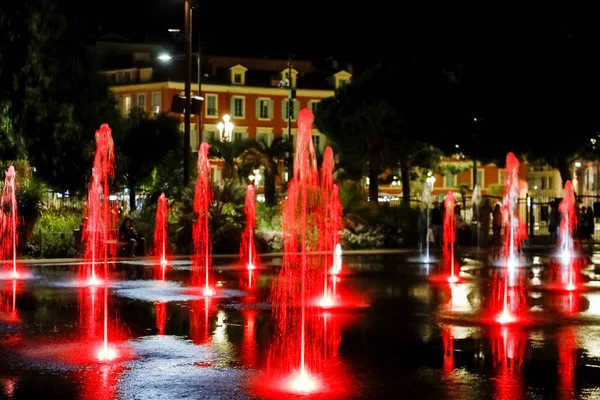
[[578, 164], [255, 177], [165, 57], [430, 179], [225, 129]]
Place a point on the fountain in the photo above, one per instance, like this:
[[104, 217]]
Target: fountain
[[450, 235], [202, 244], [160, 309], [568, 224], [247, 248], [509, 213], [427, 201], [295, 350], [329, 226], [9, 221], [160, 233], [100, 228]]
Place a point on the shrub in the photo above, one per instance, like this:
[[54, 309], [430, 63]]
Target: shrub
[[53, 233]]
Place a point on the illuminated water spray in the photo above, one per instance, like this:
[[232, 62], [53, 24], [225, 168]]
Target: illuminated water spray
[[9, 221], [247, 248], [295, 353], [329, 225], [201, 234], [160, 233], [450, 235], [100, 227], [427, 201], [568, 224], [509, 212]]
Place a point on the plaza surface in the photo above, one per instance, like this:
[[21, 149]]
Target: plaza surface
[[398, 333]]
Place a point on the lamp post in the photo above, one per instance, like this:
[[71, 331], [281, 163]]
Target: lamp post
[[225, 128], [255, 177], [188, 95]]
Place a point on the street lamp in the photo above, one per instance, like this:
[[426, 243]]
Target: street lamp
[[255, 177], [225, 129]]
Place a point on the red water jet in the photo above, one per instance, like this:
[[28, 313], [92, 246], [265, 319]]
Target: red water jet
[[330, 225], [248, 248], [99, 231], [9, 221], [450, 235], [568, 225], [510, 217], [160, 234], [296, 346], [202, 245], [101, 220]]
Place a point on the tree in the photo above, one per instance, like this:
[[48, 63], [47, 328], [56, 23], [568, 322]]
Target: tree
[[52, 95], [143, 144], [269, 156], [230, 153], [383, 129]]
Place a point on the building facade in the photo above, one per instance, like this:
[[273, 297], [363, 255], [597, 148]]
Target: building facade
[[255, 93]]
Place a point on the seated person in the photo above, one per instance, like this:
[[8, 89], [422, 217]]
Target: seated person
[[131, 239]]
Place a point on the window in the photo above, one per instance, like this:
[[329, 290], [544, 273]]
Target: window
[[209, 135], [501, 177], [285, 108], [239, 136], [342, 83], [316, 142], [127, 76], [127, 103], [479, 181], [313, 105], [449, 180], [546, 182], [237, 78], [141, 101], [211, 105], [156, 103], [237, 107], [215, 174], [266, 137], [264, 109]]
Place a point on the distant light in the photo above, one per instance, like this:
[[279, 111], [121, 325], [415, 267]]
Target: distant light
[[174, 30], [456, 146], [475, 119], [578, 164], [165, 57], [535, 187]]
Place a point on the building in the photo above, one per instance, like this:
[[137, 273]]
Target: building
[[252, 91]]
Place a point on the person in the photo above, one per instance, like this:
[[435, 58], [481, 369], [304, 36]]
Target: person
[[554, 221], [496, 225], [436, 219], [588, 224], [485, 210], [422, 228], [132, 239]]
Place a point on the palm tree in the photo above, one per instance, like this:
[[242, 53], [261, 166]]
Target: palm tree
[[231, 153], [269, 156]]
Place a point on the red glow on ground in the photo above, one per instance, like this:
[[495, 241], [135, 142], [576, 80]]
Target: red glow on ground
[[448, 344], [200, 311], [93, 281], [208, 292], [303, 383], [160, 309], [326, 302], [453, 279], [508, 345], [106, 354], [506, 318], [567, 361]]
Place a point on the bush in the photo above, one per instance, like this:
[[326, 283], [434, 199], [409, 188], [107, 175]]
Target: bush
[[363, 238], [56, 240]]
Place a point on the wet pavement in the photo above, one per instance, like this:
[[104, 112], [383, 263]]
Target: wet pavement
[[402, 331]]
